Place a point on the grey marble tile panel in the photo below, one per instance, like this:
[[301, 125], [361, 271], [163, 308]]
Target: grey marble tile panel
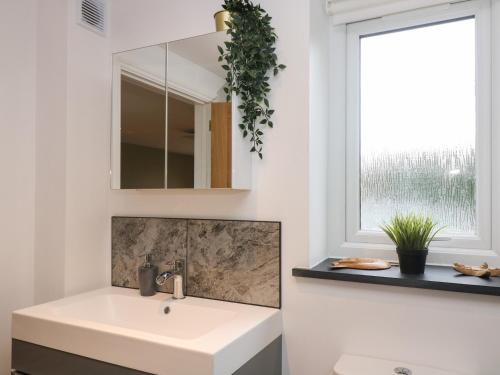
[[132, 238], [236, 261]]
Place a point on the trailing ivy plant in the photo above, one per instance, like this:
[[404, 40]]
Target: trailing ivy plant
[[249, 58]]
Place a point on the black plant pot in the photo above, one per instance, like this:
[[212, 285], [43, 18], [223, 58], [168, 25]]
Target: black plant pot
[[412, 261]]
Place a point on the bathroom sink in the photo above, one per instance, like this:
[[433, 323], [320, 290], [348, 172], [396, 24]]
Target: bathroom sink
[[185, 319], [156, 334]]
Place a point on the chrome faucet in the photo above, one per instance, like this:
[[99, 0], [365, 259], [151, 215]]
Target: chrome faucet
[[177, 273]]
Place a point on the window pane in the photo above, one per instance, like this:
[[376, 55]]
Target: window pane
[[418, 119]]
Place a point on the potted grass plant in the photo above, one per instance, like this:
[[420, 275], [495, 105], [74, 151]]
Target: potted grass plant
[[412, 235]]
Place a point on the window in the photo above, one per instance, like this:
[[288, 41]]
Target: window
[[418, 123]]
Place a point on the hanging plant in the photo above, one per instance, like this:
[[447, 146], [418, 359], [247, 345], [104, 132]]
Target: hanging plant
[[249, 58]]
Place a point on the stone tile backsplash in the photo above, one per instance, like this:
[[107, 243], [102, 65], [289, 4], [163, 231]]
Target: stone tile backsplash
[[236, 261], [132, 238]]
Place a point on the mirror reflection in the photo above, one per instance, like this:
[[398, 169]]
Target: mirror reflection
[[139, 118], [199, 118], [172, 127]]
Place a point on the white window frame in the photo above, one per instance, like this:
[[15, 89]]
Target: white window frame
[[345, 236]]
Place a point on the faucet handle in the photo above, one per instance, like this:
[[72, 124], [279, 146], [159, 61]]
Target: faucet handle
[[176, 265], [179, 265]]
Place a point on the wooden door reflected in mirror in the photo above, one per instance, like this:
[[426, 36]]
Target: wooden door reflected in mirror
[[220, 127]]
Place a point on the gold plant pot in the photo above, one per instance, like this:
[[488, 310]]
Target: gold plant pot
[[220, 20]]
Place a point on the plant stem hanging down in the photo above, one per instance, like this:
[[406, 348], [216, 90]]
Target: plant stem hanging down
[[249, 59]]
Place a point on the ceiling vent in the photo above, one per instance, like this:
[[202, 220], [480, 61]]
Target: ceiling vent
[[92, 15]]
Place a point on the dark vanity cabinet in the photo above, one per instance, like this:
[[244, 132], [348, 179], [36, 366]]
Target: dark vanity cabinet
[[32, 359]]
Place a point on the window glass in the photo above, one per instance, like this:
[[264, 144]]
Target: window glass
[[418, 125]]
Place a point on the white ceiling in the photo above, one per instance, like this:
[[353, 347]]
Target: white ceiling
[[202, 50]]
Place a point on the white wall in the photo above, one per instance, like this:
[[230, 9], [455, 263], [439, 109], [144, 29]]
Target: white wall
[[72, 153], [50, 150], [87, 156], [54, 156], [17, 162], [319, 83]]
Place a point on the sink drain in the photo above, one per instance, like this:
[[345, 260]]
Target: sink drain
[[166, 310], [402, 371]]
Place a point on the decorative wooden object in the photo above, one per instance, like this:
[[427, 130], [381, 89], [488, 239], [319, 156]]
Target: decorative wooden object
[[361, 264], [483, 270]]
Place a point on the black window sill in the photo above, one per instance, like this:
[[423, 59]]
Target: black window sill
[[435, 277]]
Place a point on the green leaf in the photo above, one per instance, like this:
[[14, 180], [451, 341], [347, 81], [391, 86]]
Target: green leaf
[[221, 51]]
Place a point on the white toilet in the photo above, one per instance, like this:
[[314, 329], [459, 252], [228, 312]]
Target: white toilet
[[356, 365]]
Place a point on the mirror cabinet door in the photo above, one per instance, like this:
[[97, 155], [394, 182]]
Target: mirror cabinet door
[[176, 130], [199, 118], [139, 119]]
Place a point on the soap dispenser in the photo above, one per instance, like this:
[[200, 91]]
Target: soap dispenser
[[147, 275]]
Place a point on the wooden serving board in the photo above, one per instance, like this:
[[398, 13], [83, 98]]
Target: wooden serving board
[[361, 264]]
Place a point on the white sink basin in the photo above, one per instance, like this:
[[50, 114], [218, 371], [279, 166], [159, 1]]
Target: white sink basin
[[187, 319], [116, 325]]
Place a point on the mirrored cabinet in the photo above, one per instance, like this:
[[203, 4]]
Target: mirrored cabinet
[[172, 127]]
